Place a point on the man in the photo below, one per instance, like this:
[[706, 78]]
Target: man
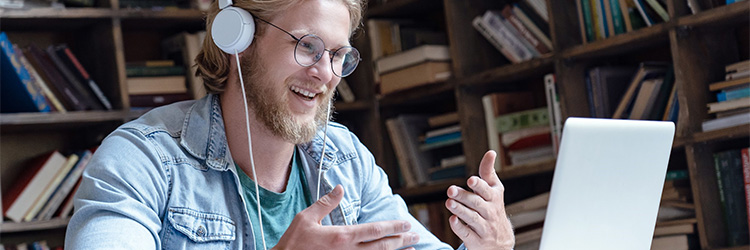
[[182, 176]]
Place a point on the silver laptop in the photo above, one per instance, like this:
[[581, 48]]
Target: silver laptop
[[607, 184]]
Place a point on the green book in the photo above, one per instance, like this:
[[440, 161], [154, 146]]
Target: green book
[[522, 119]]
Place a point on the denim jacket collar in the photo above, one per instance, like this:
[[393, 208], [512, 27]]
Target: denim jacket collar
[[212, 147]]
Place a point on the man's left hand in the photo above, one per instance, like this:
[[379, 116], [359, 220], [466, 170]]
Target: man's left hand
[[479, 217]]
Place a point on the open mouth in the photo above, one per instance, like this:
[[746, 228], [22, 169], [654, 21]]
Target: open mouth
[[303, 93]]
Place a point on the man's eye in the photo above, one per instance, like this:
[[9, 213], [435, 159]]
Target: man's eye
[[309, 47]]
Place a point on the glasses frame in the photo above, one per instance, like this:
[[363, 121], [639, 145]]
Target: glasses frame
[[331, 53]]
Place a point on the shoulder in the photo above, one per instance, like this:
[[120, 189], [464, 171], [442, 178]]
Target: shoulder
[[167, 118]]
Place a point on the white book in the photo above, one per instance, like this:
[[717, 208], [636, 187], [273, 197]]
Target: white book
[[728, 105], [35, 187], [493, 137], [726, 122], [501, 32], [553, 109], [501, 46], [65, 188], [443, 131], [528, 217], [413, 56], [50, 187]]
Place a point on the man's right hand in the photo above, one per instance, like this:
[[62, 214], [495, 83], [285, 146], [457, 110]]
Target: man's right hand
[[306, 231]]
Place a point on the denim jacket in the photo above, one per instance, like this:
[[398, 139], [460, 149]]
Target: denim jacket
[[167, 181]]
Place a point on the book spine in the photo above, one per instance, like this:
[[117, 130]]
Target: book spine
[[28, 98], [482, 28], [553, 110], [43, 84], [588, 25], [617, 17], [498, 29], [746, 179], [532, 40], [493, 138], [639, 5], [56, 80], [77, 87], [659, 9], [544, 38], [87, 78], [520, 120]]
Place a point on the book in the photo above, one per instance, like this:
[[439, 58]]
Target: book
[[424, 53], [522, 119], [480, 26], [584, 21], [40, 80], [686, 228], [67, 56], [443, 119], [76, 85], [536, 154], [50, 187], [716, 86], [511, 32], [442, 131], [644, 14], [674, 242], [540, 32], [646, 70], [659, 9], [501, 32], [618, 20], [745, 154], [17, 92], [137, 71], [532, 39], [414, 76], [715, 107], [58, 84], [726, 122], [155, 100], [625, 13], [156, 85], [644, 101], [65, 187], [729, 176], [19, 199], [495, 104], [737, 67], [607, 86], [404, 131], [185, 47], [553, 110], [67, 206], [529, 217], [673, 106]]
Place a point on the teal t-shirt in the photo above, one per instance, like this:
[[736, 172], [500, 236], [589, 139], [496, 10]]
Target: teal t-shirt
[[278, 209]]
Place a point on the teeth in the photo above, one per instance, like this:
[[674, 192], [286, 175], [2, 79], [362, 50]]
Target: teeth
[[303, 92]]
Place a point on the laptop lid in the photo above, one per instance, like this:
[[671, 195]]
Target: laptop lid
[[607, 184]]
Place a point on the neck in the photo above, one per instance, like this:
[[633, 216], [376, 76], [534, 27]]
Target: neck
[[271, 154]]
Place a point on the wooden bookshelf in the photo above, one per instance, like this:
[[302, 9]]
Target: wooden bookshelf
[[698, 45]]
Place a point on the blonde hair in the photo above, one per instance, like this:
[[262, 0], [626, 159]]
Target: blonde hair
[[213, 64]]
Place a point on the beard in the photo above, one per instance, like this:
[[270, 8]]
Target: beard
[[272, 110]]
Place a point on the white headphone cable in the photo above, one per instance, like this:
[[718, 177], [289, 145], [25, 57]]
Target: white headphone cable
[[322, 152], [250, 148]]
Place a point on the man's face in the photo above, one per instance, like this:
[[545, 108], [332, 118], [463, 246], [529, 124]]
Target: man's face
[[291, 100]]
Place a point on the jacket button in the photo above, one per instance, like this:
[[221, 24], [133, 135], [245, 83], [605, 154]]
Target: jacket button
[[201, 231]]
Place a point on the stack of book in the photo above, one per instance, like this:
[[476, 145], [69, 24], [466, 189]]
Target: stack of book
[[517, 130], [675, 222], [733, 179], [600, 19], [647, 94], [732, 106], [182, 48], [527, 217], [45, 190], [407, 54], [36, 80], [519, 33], [428, 148], [155, 83]]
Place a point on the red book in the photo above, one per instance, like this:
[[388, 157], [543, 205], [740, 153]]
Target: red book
[[746, 174], [29, 186]]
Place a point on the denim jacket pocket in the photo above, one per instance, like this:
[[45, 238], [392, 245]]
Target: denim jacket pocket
[[351, 212], [201, 227]]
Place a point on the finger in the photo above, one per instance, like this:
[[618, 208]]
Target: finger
[[463, 232], [472, 219], [469, 199], [481, 188], [325, 204], [377, 230], [392, 242], [487, 168]]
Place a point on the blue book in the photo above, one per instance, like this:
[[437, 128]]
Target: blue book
[[731, 94], [18, 92]]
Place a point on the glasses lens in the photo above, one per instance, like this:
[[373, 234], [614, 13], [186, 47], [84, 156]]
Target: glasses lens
[[309, 50], [344, 61]]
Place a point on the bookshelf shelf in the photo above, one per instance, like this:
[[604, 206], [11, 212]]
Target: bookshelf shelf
[[647, 36], [511, 72], [513, 172], [14, 227], [735, 13], [71, 117], [55, 13], [160, 14], [722, 134], [402, 8]]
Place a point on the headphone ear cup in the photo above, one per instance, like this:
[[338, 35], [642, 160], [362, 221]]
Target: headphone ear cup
[[233, 30]]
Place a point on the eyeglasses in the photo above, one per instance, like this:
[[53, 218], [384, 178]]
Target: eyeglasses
[[310, 49]]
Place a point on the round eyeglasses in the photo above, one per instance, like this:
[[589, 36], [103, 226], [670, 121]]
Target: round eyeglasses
[[310, 49]]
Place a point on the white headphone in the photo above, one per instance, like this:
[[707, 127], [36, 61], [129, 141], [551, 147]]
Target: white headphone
[[233, 28]]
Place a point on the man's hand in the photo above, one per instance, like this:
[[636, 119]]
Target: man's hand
[[479, 217], [306, 232]]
